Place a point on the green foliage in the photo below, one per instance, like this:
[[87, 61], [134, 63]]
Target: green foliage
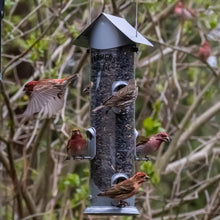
[[72, 179], [150, 170], [126, 217], [152, 126], [81, 193], [189, 99], [213, 20], [51, 73], [9, 3], [192, 72], [73, 30], [156, 106], [210, 93], [77, 184]]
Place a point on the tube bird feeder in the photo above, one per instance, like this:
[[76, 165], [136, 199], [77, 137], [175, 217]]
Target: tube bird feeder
[[112, 43]]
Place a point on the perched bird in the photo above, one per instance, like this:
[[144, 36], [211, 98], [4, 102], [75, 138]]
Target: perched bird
[[183, 12], [147, 146], [204, 51], [123, 98], [125, 189], [46, 95], [76, 145]]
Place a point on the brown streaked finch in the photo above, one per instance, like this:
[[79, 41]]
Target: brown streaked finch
[[204, 51], [76, 145], [147, 146], [46, 95], [183, 12], [125, 189], [123, 98]]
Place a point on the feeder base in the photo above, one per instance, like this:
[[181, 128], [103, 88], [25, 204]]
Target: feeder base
[[109, 210]]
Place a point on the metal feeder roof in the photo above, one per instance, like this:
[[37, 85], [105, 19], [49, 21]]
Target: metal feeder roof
[[108, 31]]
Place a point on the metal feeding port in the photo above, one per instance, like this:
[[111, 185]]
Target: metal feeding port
[[112, 43], [91, 145], [91, 135]]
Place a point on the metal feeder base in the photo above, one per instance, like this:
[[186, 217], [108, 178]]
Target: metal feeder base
[[109, 210]]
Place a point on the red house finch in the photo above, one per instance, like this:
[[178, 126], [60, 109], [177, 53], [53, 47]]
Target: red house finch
[[147, 146], [46, 95], [76, 145], [204, 51], [125, 189], [183, 12], [122, 98]]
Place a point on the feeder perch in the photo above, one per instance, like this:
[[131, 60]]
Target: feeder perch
[[112, 42]]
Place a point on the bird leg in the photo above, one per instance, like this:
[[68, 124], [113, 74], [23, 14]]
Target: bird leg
[[82, 157]]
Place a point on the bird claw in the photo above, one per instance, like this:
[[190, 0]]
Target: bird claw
[[147, 158], [80, 157], [122, 204]]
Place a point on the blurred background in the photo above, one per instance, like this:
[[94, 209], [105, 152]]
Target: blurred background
[[178, 93]]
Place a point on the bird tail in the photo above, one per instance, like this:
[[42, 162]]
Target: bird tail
[[70, 79], [98, 108]]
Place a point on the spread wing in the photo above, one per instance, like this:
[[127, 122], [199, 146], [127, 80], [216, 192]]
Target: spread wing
[[46, 98], [141, 140]]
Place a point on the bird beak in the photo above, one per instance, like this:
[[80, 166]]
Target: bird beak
[[147, 177], [167, 139]]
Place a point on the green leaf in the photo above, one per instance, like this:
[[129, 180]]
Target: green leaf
[[150, 170], [152, 126]]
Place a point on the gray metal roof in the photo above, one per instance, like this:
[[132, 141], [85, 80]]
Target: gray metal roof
[[108, 31]]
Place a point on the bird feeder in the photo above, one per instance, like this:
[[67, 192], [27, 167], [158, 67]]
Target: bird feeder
[[112, 43]]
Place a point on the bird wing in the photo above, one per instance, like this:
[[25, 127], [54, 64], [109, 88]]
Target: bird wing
[[46, 98], [124, 97], [124, 187], [141, 140]]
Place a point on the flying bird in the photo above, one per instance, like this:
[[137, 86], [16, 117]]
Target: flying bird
[[122, 99], [76, 145], [183, 12], [125, 189], [204, 51], [46, 95], [147, 146]]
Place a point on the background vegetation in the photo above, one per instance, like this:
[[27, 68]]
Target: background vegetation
[[177, 93]]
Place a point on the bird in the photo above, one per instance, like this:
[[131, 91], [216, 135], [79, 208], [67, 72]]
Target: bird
[[76, 145], [46, 95], [123, 98], [125, 189], [183, 12], [204, 51], [147, 146]]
